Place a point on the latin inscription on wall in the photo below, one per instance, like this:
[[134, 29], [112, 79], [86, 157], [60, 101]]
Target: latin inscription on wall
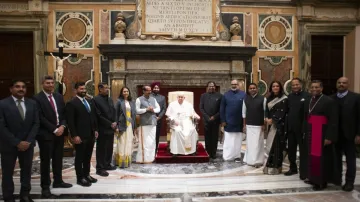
[[192, 17]]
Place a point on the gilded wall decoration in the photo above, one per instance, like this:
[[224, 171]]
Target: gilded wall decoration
[[76, 27], [275, 32], [278, 68]]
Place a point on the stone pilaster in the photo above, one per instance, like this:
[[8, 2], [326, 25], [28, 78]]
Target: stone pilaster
[[117, 77]]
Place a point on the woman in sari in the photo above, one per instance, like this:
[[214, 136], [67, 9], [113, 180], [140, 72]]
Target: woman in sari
[[276, 114], [126, 117]]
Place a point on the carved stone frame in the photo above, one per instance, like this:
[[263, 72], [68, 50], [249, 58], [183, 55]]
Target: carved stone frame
[[35, 22]]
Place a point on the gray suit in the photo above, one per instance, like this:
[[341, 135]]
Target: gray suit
[[161, 100]]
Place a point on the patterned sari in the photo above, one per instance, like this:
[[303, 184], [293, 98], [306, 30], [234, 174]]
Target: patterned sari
[[276, 139], [124, 142]]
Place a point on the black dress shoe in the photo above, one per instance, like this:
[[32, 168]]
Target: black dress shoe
[[290, 172], [307, 181], [10, 200], [26, 199], [319, 187], [91, 179], [102, 173], [83, 182], [62, 185], [45, 193], [348, 187], [111, 167]]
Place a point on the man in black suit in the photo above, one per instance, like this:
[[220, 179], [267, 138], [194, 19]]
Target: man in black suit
[[349, 129], [51, 135], [210, 110], [107, 125], [19, 124], [82, 122]]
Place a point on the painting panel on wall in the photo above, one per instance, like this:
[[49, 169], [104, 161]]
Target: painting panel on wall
[[275, 32], [277, 68], [76, 28], [75, 71]]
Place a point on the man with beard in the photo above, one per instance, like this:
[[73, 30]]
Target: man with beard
[[82, 122], [160, 99], [296, 100], [232, 121], [107, 125], [253, 113], [321, 134], [349, 129], [210, 110], [147, 108], [51, 135], [19, 125]]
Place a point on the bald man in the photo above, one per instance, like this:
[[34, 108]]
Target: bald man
[[349, 129]]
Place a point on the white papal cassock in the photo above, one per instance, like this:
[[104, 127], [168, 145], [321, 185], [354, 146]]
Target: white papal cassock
[[184, 135]]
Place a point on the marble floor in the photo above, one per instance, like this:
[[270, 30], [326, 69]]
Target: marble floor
[[213, 181]]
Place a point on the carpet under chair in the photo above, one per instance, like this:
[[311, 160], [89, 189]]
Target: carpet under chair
[[164, 156]]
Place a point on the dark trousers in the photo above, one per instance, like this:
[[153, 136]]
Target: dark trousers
[[158, 131], [8, 161], [211, 137], [51, 149], [104, 151], [83, 157], [294, 139], [347, 147]]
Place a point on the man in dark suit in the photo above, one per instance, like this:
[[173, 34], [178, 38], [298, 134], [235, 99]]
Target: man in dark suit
[[19, 124], [51, 135], [210, 110], [82, 122], [107, 125], [160, 99], [349, 129]]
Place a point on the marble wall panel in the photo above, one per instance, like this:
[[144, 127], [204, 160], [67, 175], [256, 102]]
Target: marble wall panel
[[74, 72], [248, 33], [104, 26]]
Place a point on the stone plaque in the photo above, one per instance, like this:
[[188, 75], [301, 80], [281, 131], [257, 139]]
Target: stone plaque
[[168, 17]]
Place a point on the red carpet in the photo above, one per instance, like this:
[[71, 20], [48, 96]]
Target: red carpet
[[164, 156]]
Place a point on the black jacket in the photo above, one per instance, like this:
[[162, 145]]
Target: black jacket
[[105, 114], [13, 129], [81, 123], [48, 120]]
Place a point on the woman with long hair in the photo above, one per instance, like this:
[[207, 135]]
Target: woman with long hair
[[276, 115], [125, 117]]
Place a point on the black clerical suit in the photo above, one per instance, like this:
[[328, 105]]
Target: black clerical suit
[[295, 137], [82, 123], [104, 146], [210, 106], [160, 99], [13, 130], [349, 127], [51, 146]]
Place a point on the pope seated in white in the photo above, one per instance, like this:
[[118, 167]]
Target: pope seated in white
[[183, 131]]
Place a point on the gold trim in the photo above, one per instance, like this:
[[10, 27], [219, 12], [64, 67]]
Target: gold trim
[[143, 24]]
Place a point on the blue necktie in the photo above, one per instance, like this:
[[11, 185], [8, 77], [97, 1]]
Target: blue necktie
[[86, 105]]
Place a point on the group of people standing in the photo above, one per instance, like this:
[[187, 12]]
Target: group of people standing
[[323, 126]]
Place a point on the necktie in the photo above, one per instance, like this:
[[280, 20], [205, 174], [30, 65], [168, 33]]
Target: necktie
[[86, 105], [52, 103], [20, 108]]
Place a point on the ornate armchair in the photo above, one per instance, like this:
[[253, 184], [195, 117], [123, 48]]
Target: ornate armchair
[[172, 96]]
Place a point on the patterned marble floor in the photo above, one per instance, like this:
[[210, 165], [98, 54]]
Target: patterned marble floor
[[213, 181]]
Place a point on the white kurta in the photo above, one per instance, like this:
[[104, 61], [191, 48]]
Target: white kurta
[[254, 154], [147, 137], [184, 135]]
